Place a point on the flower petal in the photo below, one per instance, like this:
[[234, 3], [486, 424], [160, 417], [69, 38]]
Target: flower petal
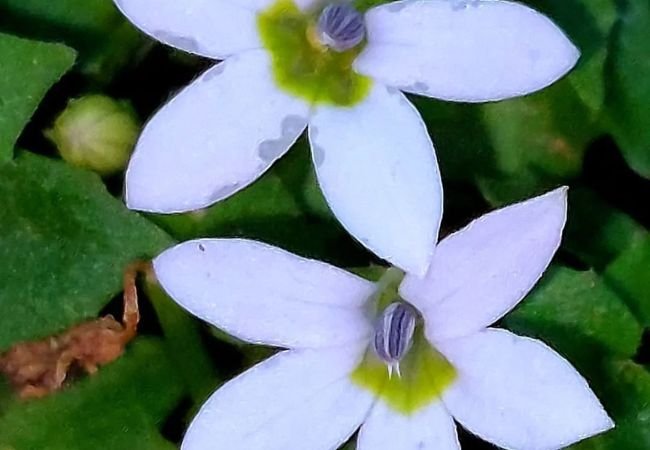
[[377, 168], [214, 138], [298, 399], [212, 28], [430, 428], [480, 51], [481, 272], [263, 294], [516, 392]]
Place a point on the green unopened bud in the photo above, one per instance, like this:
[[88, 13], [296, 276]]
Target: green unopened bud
[[96, 132]]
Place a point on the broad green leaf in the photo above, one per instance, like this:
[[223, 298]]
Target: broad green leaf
[[28, 70], [624, 389], [64, 243], [104, 39], [120, 407], [629, 275], [629, 93], [579, 315], [597, 232]]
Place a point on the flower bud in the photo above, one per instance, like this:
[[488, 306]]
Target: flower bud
[[96, 132]]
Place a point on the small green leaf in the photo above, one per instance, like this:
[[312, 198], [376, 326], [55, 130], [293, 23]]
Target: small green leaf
[[64, 243], [624, 389], [515, 148], [539, 142], [579, 315], [629, 95], [29, 69], [120, 407], [629, 276], [597, 232], [589, 24]]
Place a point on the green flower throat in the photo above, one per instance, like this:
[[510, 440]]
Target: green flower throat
[[403, 369], [302, 64]]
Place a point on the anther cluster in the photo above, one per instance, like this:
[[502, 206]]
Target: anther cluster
[[394, 333], [341, 27]]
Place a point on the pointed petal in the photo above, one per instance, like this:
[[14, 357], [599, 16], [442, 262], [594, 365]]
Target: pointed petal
[[265, 295], [214, 138], [430, 428], [516, 392], [377, 168], [299, 399], [480, 51], [211, 28], [481, 272]]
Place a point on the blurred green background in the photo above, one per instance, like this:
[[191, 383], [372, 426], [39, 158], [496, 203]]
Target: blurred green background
[[65, 236]]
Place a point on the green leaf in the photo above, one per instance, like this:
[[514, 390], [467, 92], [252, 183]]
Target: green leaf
[[29, 69], [579, 315], [64, 243], [539, 142], [104, 39], [120, 407], [589, 24], [629, 275], [597, 232], [624, 389], [629, 95], [584, 319]]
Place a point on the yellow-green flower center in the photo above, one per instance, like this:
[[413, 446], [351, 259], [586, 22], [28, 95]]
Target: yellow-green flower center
[[424, 373], [302, 65]]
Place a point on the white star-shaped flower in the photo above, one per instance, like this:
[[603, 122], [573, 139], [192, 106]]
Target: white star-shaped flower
[[345, 335], [338, 72]]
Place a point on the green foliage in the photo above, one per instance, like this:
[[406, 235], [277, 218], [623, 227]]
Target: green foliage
[[120, 407], [64, 242], [630, 93], [65, 236], [539, 142], [583, 318], [27, 72], [105, 40], [625, 388], [576, 310], [629, 274], [596, 232]]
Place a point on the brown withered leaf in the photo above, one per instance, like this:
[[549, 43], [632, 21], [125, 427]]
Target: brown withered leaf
[[38, 368]]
